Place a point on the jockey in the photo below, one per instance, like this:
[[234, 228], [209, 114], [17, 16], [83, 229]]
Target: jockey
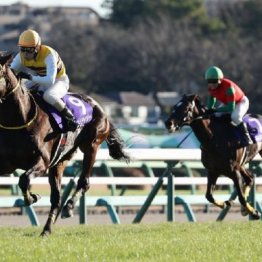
[[42, 66], [231, 97]]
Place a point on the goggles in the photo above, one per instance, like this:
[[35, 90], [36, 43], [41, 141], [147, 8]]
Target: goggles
[[213, 81], [29, 50]]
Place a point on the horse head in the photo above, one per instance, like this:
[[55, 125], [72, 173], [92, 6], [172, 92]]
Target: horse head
[[8, 80], [184, 112]]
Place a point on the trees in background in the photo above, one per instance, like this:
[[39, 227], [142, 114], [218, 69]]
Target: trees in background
[[165, 45]]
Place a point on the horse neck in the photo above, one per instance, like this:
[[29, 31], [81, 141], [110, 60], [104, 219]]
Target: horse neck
[[201, 127], [18, 106]]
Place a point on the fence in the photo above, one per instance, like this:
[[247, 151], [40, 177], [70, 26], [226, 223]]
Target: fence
[[169, 158]]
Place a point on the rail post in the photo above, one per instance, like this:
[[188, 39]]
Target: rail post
[[170, 196], [82, 210], [154, 191]]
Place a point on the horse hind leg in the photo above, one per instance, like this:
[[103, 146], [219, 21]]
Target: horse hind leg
[[83, 181], [248, 183], [237, 178], [93, 138], [246, 190], [260, 153], [116, 144]]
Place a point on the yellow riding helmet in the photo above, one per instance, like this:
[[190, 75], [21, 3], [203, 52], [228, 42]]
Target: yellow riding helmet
[[29, 38]]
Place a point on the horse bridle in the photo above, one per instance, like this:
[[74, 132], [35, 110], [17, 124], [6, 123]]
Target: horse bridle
[[3, 76], [8, 94], [188, 119]]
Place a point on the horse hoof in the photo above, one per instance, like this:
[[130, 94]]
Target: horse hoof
[[66, 212], [45, 233], [31, 199], [255, 215], [35, 197], [244, 211]]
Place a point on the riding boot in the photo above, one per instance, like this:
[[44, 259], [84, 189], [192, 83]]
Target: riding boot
[[70, 120], [243, 129]]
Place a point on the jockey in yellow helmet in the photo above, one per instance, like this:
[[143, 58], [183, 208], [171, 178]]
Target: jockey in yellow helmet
[[42, 66]]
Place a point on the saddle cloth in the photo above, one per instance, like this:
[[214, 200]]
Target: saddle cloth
[[82, 111], [228, 135], [254, 125]]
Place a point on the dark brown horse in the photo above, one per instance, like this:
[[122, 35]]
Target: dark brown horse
[[220, 154], [29, 140]]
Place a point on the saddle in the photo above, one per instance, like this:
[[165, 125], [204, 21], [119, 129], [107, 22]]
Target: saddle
[[81, 109], [228, 135]]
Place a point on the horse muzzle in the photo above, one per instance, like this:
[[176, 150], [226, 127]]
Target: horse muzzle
[[170, 126]]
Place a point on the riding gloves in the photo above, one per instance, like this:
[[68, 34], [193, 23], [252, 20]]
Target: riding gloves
[[24, 75]]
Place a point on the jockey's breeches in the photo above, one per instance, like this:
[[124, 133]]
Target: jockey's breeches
[[239, 111], [53, 94]]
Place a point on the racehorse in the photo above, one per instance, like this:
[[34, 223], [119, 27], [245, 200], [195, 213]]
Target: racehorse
[[221, 152], [31, 140]]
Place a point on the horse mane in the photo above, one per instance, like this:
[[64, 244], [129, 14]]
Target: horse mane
[[215, 125], [6, 58], [196, 98]]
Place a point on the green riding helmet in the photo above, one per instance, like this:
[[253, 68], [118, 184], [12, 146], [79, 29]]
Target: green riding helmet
[[214, 72]]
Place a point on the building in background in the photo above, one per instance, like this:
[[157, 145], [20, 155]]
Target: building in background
[[17, 17]]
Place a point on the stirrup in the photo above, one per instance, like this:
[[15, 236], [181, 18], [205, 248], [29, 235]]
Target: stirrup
[[247, 140]]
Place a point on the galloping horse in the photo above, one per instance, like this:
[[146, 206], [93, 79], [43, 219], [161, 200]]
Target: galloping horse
[[32, 141], [221, 154]]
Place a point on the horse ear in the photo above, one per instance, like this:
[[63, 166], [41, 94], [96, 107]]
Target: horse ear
[[192, 97], [197, 98], [5, 56]]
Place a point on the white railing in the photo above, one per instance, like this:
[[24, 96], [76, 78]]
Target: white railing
[[151, 154], [140, 155], [127, 181]]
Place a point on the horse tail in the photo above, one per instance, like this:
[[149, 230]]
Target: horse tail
[[116, 144]]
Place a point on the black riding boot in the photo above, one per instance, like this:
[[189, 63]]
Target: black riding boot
[[70, 120], [243, 128]]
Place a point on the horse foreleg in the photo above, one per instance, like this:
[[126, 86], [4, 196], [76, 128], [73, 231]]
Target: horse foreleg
[[211, 183], [55, 177], [24, 183]]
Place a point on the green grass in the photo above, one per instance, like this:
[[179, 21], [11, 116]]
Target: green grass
[[216, 241]]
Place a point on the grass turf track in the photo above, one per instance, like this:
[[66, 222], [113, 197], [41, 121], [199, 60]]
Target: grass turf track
[[209, 241]]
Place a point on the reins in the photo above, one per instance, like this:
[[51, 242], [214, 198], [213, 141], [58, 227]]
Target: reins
[[26, 124], [198, 117]]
